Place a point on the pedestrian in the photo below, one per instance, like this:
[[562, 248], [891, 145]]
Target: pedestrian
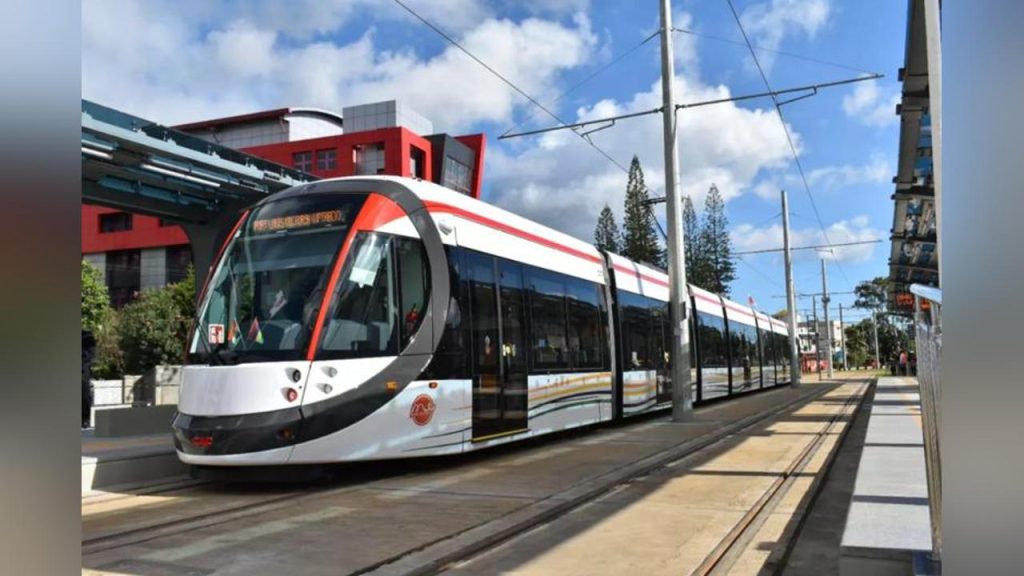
[[903, 363], [88, 351]]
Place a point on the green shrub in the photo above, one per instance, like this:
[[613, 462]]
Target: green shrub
[[154, 327], [108, 363], [95, 298]]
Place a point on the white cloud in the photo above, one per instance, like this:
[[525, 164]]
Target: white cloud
[[560, 181], [877, 169], [173, 66], [870, 105], [768, 23], [746, 237]]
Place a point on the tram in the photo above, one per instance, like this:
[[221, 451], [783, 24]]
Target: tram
[[366, 318]]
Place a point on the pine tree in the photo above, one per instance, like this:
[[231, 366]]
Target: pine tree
[[639, 236], [606, 233], [714, 239], [696, 256]]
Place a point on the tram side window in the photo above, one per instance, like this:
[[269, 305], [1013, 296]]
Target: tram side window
[[481, 297], [414, 284], [586, 328], [636, 331], [453, 340], [548, 320], [711, 337], [767, 353], [365, 321], [659, 339]]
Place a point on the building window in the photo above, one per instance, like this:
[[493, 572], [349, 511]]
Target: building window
[[326, 159], [177, 261], [370, 159], [115, 222], [303, 161], [123, 276], [456, 175], [416, 163]]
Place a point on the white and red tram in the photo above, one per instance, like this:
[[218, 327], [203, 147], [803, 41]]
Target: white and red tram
[[379, 317]]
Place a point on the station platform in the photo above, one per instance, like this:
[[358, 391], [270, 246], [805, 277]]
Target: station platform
[[888, 528], [127, 461]]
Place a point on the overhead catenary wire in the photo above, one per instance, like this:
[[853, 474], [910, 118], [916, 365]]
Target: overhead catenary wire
[[818, 247], [789, 137], [590, 77], [508, 82], [758, 270], [771, 93], [772, 50]]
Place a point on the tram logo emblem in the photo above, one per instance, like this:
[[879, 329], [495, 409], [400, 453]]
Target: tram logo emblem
[[422, 410]]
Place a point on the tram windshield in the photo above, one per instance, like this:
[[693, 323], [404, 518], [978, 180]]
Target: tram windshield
[[269, 284]]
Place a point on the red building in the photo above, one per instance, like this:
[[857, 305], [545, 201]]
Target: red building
[[138, 252]]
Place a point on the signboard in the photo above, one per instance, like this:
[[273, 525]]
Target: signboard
[[294, 221]]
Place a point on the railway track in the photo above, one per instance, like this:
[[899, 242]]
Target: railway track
[[729, 548], [453, 554]]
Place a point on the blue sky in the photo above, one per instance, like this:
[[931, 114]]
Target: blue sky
[[189, 60]]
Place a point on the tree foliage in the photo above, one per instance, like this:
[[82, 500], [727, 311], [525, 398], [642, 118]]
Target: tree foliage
[[715, 244], [697, 265], [154, 327], [95, 298], [872, 294], [639, 234], [606, 233]]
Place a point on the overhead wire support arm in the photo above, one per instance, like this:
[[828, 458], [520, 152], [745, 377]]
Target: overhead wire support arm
[[770, 94], [581, 124]]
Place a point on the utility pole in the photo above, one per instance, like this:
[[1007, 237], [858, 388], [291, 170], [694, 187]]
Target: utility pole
[[842, 338], [828, 326], [794, 347], [682, 401], [817, 335], [874, 324]]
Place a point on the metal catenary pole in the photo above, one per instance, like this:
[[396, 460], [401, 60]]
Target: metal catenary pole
[[682, 401], [874, 325], [842, 338], [828, 325], [794, 346], [817, 335]]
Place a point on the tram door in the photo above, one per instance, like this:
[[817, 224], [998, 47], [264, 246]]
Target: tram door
[[499, 356]]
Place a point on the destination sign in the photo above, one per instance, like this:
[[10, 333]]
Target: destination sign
[[294, 221]]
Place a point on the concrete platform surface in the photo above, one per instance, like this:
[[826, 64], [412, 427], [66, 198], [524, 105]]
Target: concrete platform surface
[[115, 463], [888, 518]]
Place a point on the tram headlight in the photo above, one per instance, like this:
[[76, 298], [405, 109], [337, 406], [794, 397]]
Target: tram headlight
[[291, 394]]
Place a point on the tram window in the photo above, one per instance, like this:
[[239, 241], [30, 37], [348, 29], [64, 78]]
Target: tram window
[[453, 339], [548, 321], [711, 336], [365, 321], [744, 354], [483, 295], [659, 343], [414, 284], [586, 329], [636, 331], [767, 356]]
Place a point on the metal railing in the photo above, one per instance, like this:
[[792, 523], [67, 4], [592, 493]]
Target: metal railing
[[929, 355]]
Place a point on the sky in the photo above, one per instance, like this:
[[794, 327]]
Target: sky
[[186, 60]]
